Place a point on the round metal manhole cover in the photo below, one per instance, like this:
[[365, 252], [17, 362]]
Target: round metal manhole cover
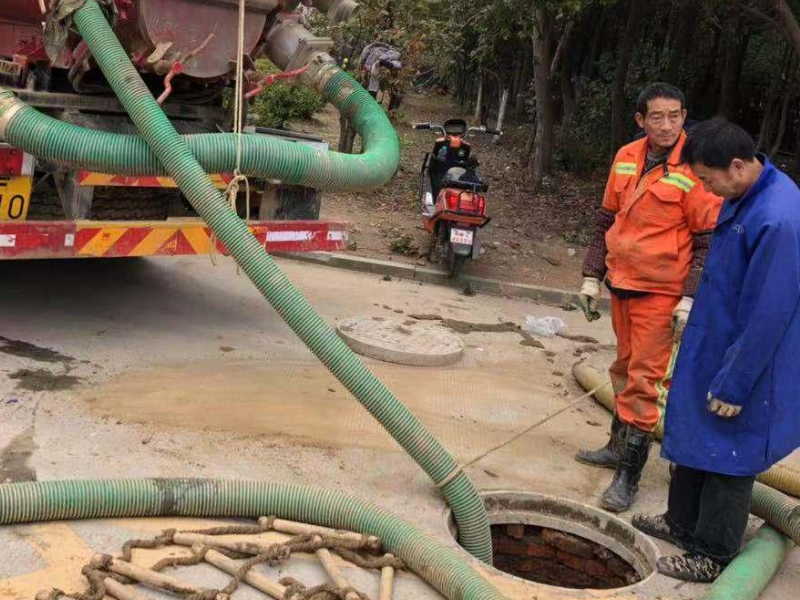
[[405, 342]]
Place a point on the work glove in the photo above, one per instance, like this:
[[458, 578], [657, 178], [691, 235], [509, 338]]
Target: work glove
[[722, 409], [680, 316], [587, 298]]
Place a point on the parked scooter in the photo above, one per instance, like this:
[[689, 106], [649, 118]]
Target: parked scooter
[[452, 195]]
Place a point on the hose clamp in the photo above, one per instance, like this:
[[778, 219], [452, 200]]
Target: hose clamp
[[9, 107]]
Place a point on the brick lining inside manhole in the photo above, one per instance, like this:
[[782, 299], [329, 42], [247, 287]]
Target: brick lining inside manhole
[[558, 558]]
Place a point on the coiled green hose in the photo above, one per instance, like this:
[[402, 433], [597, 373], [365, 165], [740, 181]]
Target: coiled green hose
[[177, 158], [50, 139], [440, 566]]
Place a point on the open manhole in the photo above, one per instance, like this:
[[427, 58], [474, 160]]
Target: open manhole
[[563, 543]]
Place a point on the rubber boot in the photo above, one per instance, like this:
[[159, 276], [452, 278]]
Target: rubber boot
[[620, 494], [608, 456]]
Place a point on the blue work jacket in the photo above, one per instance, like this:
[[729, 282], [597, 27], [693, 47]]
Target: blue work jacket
[[742, 341]]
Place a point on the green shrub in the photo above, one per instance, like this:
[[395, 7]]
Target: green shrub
[[282, 102]]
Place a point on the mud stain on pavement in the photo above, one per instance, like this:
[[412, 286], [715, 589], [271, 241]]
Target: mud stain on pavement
[[32, 351], [42, 380], [15, 456], [293, 401], [466, 327]]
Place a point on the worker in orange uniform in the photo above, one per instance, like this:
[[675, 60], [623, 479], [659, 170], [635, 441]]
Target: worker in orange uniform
[[652, 237]]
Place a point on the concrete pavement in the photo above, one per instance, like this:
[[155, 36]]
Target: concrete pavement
[[173, 367]]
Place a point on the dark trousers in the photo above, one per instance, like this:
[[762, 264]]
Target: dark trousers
[[709, 511]]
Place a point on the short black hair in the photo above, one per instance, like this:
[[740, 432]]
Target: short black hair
[[716, 142], [658, 90]]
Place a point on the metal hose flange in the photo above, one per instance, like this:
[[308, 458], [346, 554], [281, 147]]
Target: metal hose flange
[[172, 151], [443, 568]]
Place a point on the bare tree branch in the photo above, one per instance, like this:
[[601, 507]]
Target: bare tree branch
[[789, 21], [761, 16], [562, 45]]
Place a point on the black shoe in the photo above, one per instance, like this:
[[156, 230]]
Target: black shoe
[[620, 494], [608, 456], [657, 527], [690, 567]]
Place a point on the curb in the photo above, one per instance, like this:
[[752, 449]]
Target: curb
[[496, 287]]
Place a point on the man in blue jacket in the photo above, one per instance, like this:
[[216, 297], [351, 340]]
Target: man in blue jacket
[[734, 404]]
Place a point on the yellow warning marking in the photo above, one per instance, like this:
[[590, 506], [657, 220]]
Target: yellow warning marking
[[102, 241], [198, 239], [154, 240], [95, 179]]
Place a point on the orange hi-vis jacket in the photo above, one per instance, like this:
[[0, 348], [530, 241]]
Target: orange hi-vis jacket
[[656, 215]]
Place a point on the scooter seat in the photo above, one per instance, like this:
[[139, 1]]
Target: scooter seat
[[460, 178]]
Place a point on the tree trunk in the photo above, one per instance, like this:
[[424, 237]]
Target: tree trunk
[[545, 125], [704, 86], [479, 101], [771, 114], [524, 80], [631, 36], [736, 41], [788, 96], [788, 93], [790, 24], [501, 113], [797, 153], [347, 136], [688, 18], [568, 95], [767, 123], [589, 67], [530, 145]]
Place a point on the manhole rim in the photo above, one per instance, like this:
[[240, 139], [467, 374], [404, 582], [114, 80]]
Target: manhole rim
[[648, 550], [348, 330]]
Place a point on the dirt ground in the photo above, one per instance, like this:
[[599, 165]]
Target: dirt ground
[[533, 238]]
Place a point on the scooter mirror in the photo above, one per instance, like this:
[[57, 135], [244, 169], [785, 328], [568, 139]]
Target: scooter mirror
[[422, 125]]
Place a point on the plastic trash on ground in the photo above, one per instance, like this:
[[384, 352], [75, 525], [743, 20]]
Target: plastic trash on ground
[[544, 326]]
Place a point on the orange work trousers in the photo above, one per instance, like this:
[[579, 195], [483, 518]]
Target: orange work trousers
[[642, 372]]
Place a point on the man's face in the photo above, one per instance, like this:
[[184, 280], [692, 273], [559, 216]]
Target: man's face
[[726, 183], [663, 122]]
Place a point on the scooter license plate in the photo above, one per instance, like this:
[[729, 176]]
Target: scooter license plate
[[461, 236]]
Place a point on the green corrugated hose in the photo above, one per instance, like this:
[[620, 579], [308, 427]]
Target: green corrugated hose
[[750, 572], [177, 158], [440, 566], [50, 139], [779, 510]]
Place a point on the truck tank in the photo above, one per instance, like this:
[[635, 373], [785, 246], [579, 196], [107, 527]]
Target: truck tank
[[186, 52]]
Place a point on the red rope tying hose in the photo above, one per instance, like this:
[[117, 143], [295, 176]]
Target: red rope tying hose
[[270, 79]]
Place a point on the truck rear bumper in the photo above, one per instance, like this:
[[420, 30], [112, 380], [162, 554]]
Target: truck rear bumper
[[174, 237]]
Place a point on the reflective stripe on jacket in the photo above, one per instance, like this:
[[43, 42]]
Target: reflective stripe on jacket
[[656, 214]]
